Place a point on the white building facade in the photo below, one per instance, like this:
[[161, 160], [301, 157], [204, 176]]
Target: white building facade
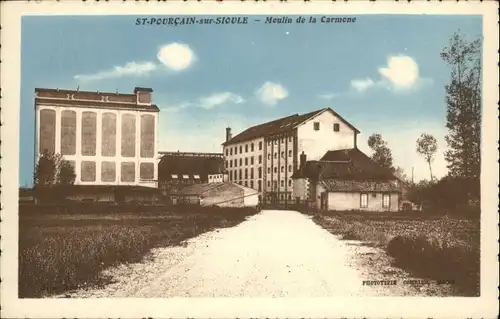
[[109, 138], [264, 157]]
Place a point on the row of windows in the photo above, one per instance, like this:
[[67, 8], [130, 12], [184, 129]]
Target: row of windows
[[234, 162], [336, 126], [386, 200], [276, 141], [290, 154], [229, 150], [290, 169], [282, 183], [251, 184], [238, 174], [108, 171]]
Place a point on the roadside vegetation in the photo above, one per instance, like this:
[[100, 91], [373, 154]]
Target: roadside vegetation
[[429, 246], [60, 251]]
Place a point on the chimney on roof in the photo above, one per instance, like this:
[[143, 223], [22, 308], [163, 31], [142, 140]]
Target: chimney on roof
[[228, 134], [303, 159], [143, 95]]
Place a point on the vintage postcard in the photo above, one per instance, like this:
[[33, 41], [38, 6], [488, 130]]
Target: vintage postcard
[[241, 159]]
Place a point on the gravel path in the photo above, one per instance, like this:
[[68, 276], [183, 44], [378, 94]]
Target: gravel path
[[272, 254]]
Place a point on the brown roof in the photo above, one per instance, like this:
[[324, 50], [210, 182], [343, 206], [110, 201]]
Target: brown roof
[[98, 104], [279, 126], [348, 164], [335, 185]]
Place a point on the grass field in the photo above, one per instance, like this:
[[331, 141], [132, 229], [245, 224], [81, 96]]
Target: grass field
[[62, 252], [428, 246]]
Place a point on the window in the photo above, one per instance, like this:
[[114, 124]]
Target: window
[[268, 183], [235, 150], [282, 183], [268, 156], [282, 140], [259, 185], [281, 196], [251, 173], [235, 162], [226, 164], [316, 126], [227, 151], [251, 184], [241, 175], [275, 184], [386, 200], [290, 139], [290, 153], [364, 200], [246, 160], [246, 173], [282, 154], [269, 143], [231, 151], [251, 160], [230, 163], [269, 170], [289, 168], [246, 148], [246, 184], [275, 155], [275, 141], [290, 182], [275, 169], [289, 196], [260, 159], [260, 146], [241, 161], [241, 149], [260, 172], [336, 127], [251, 147], [282, 169]]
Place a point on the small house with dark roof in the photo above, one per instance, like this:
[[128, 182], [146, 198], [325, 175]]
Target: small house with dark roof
[[346, 180], [264, 157]]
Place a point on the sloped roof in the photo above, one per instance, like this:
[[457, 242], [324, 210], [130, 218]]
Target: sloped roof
[[336, 185], [348, 164], [278, 126]]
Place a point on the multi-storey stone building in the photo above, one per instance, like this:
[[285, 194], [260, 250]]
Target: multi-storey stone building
[[265, 156], [109, 138]]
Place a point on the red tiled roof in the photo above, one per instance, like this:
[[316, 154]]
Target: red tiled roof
[[279, 126], [348, 164]]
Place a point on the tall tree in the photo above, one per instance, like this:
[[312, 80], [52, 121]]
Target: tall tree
[[382, 155], [427, 147], [52, 169], [463, 99]]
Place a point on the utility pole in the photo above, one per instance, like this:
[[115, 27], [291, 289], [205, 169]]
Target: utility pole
[[412, 182]]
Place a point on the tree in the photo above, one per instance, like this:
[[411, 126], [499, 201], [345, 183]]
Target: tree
[[463, 99], [400, 173], [382, 154], [427, 147], [53, 174]]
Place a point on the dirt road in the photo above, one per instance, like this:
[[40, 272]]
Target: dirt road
[[272, 254]]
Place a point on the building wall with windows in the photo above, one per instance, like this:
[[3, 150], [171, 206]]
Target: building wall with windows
[[323, 133], [109, 138], [281, 162], [363, 201], [244, 163]]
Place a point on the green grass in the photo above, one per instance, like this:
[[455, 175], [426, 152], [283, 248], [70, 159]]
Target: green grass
[[426, 245], [62, 252]]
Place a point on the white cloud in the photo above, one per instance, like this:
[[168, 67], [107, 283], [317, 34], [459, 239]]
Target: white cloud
[[130, 68], [402, 139], [361, 85], [176, 56], [219, 99], [270, 93], [401, 72]]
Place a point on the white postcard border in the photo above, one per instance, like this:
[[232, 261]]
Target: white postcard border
[[373, 307]]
